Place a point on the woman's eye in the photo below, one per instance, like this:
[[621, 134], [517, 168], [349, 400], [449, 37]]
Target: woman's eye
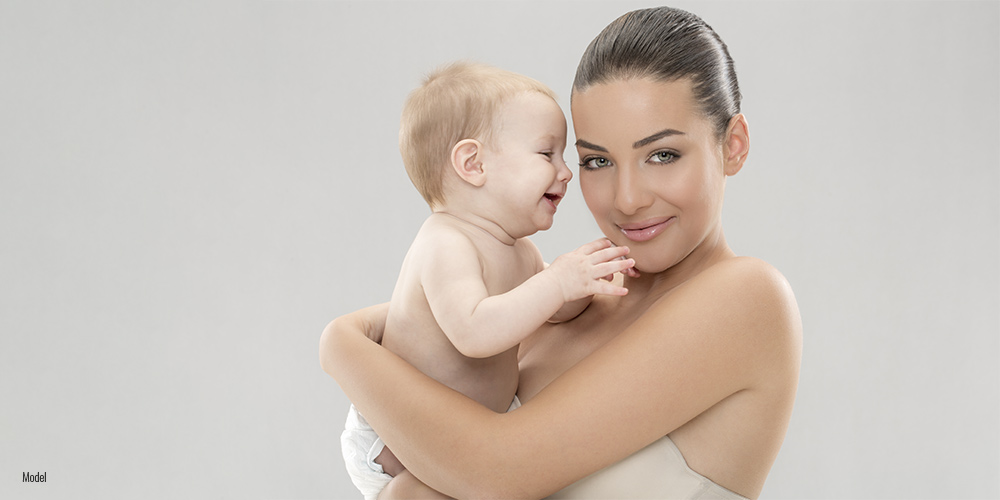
[[663, 157], [594, 163]]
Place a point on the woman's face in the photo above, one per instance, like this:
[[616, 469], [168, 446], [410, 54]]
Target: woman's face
[[652, 168]]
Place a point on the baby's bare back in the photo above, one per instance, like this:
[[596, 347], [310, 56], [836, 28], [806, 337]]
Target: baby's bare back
[[413, 333]]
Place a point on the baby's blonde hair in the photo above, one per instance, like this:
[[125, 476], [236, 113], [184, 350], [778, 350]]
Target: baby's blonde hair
[[455, 102]]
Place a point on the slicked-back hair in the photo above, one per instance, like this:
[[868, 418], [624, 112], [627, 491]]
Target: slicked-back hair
[[455, 102], [665, 44]]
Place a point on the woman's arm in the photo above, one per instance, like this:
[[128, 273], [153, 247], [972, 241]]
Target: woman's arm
[[722, 332]]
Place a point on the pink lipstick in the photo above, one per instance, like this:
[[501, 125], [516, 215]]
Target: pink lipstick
[[647, 229]]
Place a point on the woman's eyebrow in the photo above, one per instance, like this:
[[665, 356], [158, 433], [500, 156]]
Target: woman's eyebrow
[[635, 145], [659, 135], [584, 144]]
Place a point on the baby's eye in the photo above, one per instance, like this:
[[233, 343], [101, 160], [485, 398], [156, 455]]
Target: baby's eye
[[594, 163], [663, 157], [546, 154]]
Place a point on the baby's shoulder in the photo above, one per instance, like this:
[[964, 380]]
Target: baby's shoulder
[[528, 250], [440, 237]]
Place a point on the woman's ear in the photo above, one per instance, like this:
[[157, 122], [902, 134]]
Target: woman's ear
[[466, 159], [737, 144]]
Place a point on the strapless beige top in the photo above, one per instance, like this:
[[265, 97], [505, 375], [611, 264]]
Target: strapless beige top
[[656, 471]]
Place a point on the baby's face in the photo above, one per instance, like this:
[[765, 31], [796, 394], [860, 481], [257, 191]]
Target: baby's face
[[524, 163]]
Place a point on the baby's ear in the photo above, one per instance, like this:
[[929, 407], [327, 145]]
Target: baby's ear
[[466, 159]]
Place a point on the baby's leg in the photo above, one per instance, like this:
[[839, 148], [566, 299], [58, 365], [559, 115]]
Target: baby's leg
[[406, 485], [390, 464]]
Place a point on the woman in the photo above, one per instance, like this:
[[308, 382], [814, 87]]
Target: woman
[[682, 388]]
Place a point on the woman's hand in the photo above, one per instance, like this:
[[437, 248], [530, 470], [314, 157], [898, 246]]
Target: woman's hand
[[406, 486]]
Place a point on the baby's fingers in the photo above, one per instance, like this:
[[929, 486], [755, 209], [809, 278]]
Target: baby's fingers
[[595, 245], [614, 266], [609, 254]]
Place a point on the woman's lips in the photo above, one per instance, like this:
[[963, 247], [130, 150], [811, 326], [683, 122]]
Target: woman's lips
[[647, 229]]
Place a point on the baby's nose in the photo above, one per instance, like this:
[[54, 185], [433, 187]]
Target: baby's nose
[[564, 174]]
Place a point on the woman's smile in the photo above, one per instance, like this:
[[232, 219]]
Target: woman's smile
[[647, 229]]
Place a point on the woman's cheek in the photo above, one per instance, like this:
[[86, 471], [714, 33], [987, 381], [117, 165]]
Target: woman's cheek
[[592, 196], [602, 215]]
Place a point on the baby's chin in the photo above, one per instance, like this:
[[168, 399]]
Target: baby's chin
[[544, 226]]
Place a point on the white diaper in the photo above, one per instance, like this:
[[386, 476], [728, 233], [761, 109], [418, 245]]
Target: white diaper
[[361, 446]]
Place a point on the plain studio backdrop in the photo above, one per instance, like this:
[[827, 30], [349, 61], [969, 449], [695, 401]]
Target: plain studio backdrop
[[190, 191]]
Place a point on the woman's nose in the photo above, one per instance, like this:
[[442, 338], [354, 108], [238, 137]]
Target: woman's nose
[[631, 194]]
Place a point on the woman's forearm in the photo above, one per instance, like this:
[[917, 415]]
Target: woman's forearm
[[714, 337], [453, 444], [447, 440]]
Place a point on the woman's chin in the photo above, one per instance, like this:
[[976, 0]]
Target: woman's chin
[[653, 264]]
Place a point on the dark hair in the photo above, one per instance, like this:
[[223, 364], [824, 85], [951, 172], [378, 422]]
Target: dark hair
[[665, 44]]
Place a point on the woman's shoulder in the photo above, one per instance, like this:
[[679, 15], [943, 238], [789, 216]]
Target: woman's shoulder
[[744, 280], [763, 295], [740, 296], [749, 278]]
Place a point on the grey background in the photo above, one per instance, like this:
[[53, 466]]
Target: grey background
[[190, 191]]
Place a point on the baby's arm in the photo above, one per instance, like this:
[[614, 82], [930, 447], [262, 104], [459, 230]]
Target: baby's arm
[[480, 325], [570, 309], [573, 309]]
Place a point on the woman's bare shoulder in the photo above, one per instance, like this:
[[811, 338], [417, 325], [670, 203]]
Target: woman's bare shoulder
[[756, 284], [743, 281], [750, 279], [746, 271], [741, 298]]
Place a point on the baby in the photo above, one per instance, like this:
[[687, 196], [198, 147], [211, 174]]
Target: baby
[[484, 147]]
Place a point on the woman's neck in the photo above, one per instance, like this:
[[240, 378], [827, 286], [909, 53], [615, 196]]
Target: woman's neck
[[654, 285]]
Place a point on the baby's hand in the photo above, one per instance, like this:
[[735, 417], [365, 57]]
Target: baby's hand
[[581, 272]]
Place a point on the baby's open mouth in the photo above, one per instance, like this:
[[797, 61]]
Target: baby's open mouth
[[553, 197]]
